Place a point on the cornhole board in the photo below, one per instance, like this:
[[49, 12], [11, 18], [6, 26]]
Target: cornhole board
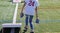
[[11, 28]]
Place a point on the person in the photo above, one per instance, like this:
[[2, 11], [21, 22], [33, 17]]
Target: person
[[29, 9]]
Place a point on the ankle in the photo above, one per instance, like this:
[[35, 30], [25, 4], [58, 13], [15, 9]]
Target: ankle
[[26, 26], [32, 30]]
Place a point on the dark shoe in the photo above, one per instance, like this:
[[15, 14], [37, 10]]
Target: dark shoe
[[31, 32], [25, 30]]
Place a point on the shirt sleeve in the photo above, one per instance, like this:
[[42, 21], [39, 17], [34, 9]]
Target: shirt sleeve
[[25, 0], [37, 3]]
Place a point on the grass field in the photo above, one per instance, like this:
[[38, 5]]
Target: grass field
[[48, 11]]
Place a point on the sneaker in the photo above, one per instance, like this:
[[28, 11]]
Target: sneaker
[[31, 32], [25, 30]]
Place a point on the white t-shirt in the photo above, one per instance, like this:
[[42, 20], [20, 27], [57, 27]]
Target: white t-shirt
[[30, 7]]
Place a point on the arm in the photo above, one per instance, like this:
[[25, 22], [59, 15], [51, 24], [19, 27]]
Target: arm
[[37, 19], [21, 14], [23, 7], [36, 12]]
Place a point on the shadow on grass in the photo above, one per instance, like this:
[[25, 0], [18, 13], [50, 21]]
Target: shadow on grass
[[1, 31]]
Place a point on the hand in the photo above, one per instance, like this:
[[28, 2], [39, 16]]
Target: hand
[[21, 14], [37, 20]]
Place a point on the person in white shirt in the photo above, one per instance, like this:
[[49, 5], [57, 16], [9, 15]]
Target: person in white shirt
[[29, 9]]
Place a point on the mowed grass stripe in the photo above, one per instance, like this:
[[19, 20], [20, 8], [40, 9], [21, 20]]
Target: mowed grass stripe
[[49, 13]]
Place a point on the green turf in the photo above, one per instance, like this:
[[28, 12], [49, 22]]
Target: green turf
[[48, 11]]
